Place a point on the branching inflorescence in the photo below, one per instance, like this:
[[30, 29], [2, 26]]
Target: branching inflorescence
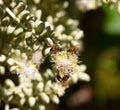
[[30, 30]]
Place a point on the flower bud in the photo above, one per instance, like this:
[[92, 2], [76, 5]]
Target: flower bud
[[31, 101], [44, 97], [54, 98]]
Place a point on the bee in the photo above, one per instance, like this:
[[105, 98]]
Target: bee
[[73, 49], [55, 49], [63, 79]]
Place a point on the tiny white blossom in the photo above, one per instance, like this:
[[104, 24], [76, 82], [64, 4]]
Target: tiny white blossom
[[27, 68], [58, 88], [37, 58], [64, 61]]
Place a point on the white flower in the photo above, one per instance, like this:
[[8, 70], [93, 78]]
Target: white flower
[[22, 66], [58, 88], [37, 58], [27, 68], [64, 62]]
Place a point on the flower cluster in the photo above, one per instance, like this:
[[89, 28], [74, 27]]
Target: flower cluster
[[28, 31], [66, 67]]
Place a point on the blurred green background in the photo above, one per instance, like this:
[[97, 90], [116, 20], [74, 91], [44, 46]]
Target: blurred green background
[[102, 56]]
